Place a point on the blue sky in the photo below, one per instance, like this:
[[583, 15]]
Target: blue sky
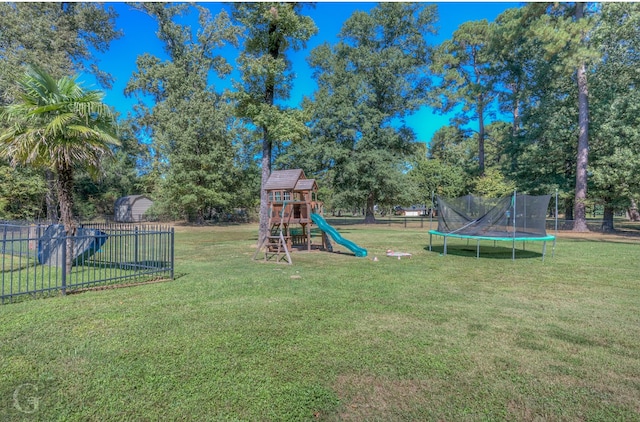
[[139, 38]]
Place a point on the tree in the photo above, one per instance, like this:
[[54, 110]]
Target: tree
[[451, 146], [189, 122], [62, 38], [467, 84], [543, 155], [492, 184], [368, 82], [580, 216], [59, 126], [272, 30], [562, 31], [22, 192], [123, 175], [614, 147], [538, 50], [432, 176]]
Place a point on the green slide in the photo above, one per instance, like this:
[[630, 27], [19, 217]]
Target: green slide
[[327, 228]]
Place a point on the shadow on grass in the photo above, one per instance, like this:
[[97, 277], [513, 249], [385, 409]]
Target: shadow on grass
[[490, 252], [628, 238], [16, 268], [117, 285], [132, 265]]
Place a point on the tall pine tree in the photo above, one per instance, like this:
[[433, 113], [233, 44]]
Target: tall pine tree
[[188, 120], [373, 78], [272, 30]]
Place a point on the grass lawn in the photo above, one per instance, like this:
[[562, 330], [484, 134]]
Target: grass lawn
[[335, 337]]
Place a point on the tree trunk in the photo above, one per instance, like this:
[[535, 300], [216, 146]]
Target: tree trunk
[[580, 224], [200, 217], [568, 209], [264, 199], [481, 138], [607, 218], [369, 217], [633, 211], [274, 46], [50, 198], [516, 118], [65, 196]]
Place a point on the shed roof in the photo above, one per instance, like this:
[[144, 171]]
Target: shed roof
[[130, 199], [284, 179]]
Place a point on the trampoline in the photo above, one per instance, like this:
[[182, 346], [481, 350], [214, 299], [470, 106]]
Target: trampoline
[[516, 218]]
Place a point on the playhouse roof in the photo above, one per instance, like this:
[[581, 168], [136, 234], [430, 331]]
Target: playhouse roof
[[284, 179], [305, 184]]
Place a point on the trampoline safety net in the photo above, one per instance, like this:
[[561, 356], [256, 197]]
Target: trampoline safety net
[[520, 216]]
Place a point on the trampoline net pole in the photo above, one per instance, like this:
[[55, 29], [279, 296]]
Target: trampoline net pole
[[513, 245], [553, 247]]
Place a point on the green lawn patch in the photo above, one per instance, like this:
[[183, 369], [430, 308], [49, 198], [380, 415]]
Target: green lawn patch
[[335, 337]]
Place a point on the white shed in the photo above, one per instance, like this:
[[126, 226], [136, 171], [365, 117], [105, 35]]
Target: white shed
[[131, 209]]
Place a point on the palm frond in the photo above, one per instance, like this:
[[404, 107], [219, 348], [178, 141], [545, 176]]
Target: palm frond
[[57, 124]]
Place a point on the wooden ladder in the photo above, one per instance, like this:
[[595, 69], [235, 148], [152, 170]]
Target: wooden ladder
[[274, 247]]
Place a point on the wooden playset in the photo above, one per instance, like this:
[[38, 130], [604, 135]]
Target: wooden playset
[[293, 210], [292, 198]]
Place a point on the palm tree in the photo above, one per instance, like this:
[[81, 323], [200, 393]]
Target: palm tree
[[58, 126]]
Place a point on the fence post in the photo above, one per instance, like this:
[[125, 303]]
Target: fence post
[[172, 253], [135, 245], [64, 265], [4, 238]]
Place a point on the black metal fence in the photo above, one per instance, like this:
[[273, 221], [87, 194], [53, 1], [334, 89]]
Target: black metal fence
[[426, 222], [33, 258], [594, 226], [388, 220]]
